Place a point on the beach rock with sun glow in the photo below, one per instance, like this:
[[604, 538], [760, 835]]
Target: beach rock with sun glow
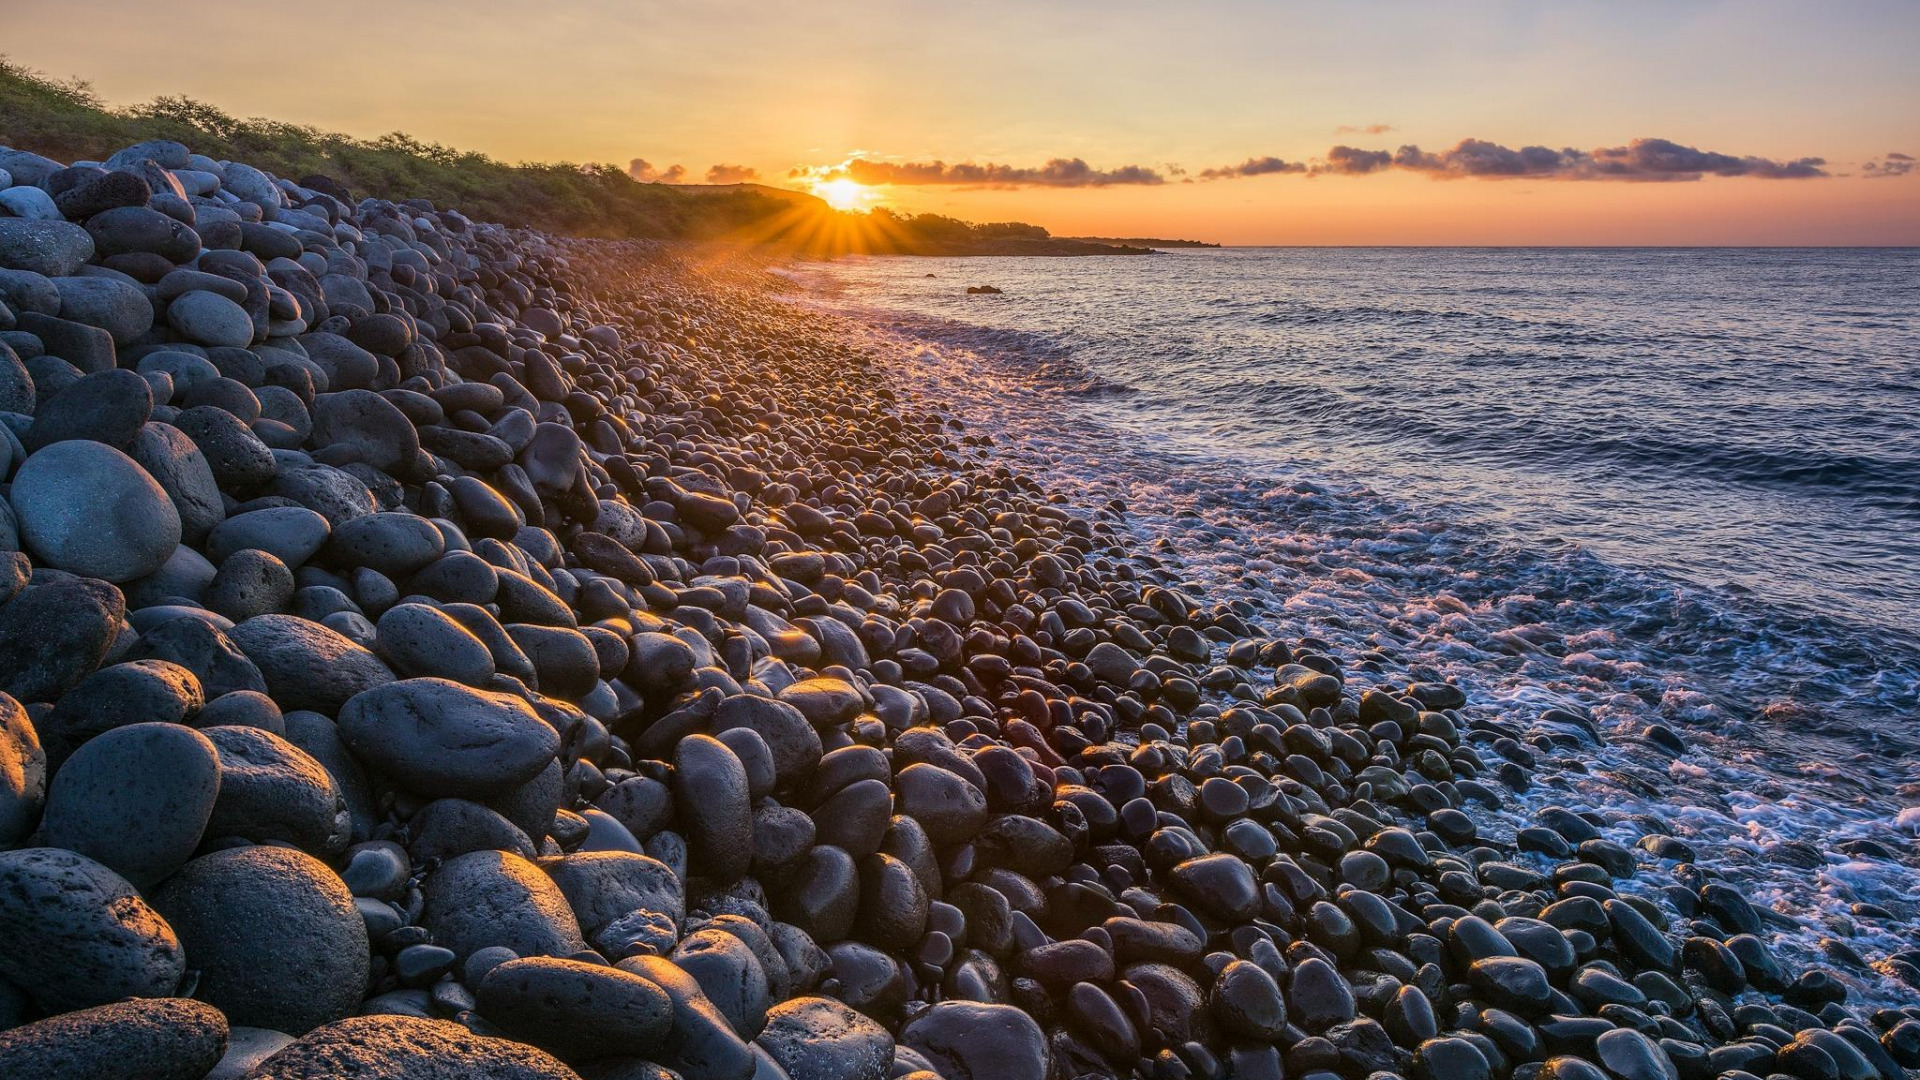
[[618, 611]]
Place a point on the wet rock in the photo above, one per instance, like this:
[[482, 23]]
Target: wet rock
[[710, 791]]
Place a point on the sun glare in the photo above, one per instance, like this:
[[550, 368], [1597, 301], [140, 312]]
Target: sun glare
[[844, 194]]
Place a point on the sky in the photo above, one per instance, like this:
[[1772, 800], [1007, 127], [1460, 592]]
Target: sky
[[1671, 122]]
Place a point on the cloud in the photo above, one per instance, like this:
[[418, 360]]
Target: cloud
[[1058, 172], [1369, 129], [1890, 165], [642, 170], [1351, 161], [1253, 167], [732, 174], [1641, 160]]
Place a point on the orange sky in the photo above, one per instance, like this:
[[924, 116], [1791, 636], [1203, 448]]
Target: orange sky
[[775, 85]]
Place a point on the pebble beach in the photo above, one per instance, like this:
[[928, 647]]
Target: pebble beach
[[435, 650]]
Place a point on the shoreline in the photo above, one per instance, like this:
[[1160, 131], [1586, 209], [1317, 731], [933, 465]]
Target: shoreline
[[642, 674]]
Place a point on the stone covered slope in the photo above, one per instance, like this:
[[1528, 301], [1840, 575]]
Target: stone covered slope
[[429, 650]]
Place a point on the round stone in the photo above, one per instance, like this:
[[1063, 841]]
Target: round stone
[[91, 510], [816, 1038], [710, 791], [274, 934], [23, 773], [307, 665], [575, 1009], [150, 1038], [440, 738], [78, 934], [493, 898], [407, 1048], [135, 799], [49, 248], [421, 640], [272, 791], [207, 318], [973, 1039]]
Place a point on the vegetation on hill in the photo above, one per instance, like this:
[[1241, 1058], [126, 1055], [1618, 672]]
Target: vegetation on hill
[[66, 120]]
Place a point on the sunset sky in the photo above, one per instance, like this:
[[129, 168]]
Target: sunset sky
[[1147, 96]]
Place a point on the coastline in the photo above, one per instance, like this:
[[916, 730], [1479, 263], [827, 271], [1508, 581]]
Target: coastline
[[645, 672]]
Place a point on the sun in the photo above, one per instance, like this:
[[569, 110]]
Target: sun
[[842, 193]]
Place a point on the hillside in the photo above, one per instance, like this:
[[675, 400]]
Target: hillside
[[67, 121]]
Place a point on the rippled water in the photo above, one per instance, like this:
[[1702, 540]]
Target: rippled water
[[1673, 491]]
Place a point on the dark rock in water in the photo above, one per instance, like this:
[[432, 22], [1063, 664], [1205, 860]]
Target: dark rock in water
[[274, 935], [161, 1038], [23, 773], [574, 1009], [271, 791], [699, 1041], [493, 898], [710, 789], [79, 935], [407, 1048], [440, 738], [135, 799], [53, 635], [106, 407], [821, 1039], [983, 290], [305, 665], [91, 510], [969, 1039]]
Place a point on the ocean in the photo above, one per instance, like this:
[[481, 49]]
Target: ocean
[[1673, 491]]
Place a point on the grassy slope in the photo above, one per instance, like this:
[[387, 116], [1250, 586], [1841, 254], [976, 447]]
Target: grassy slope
[[67, 122]]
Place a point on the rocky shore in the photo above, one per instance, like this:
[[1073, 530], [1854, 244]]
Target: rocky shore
[[432, 650]]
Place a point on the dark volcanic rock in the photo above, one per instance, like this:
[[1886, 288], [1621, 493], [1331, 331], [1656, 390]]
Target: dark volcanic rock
[[406, 1048], [79, 935], [272, 791], [136, 799], [305, 665], [971, 1041], [274, 935], [141, 1039], [441, 738], [574, 1009], [91, 510], [821, 1039], [492, 898]]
